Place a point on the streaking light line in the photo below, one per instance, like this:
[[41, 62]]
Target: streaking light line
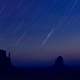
[[20, 38], [68, 17], [51, 32], [47, 38]]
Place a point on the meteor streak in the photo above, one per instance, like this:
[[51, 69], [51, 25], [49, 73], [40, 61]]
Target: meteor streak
[[20, 38], [67, 19], [48, 36]]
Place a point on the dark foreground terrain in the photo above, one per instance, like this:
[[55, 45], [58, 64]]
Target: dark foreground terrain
[[58, 71], [47, 73]]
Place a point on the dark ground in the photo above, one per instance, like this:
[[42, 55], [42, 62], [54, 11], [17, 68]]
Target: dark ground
[[46, 73]]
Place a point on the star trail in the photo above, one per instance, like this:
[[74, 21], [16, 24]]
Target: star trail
[[34, 29]]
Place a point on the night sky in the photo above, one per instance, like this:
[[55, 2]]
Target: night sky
[[40, 30]]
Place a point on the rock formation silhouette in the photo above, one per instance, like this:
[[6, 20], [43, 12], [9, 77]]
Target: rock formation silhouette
[[5, 61], [59, 64]]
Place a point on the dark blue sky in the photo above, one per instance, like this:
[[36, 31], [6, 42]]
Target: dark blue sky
[[40, 30]]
